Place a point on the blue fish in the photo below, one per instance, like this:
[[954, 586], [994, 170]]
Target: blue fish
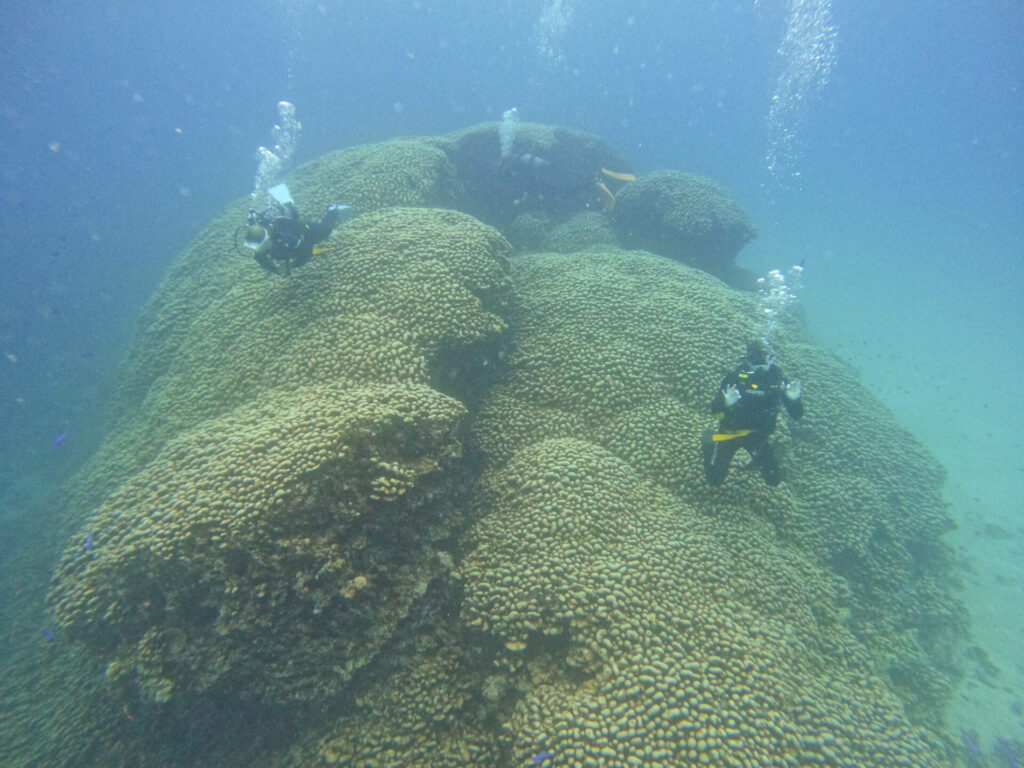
[[49, 636], [538, 759], [970, 742], [59, 439], [1006, 751], [87, 542]]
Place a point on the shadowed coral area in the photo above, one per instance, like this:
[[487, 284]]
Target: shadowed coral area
[[549, 169]]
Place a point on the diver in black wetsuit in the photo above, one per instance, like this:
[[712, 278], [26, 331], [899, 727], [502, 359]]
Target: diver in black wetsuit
[[747, 406], [281, 240]]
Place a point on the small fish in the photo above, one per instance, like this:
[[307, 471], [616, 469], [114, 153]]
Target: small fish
[[87, 542], [1006, 751], [606, 195], [59, 439], [619, 176], [538, 759], [48, 636], [970, 742]]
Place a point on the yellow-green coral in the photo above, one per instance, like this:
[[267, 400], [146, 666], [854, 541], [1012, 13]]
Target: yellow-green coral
[[645, 632], [584, 231], [390, 291], [282, 399], [619, 348], [395, 293], [401, 172], [284, 493], [624, 350], [267, 528]]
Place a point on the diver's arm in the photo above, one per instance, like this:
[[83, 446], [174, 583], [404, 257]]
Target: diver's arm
[[267, 263], [302, 254], [718, 403], [792, 398]]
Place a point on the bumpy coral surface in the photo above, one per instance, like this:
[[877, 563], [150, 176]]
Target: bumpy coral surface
[[395, 294], [624, 350], [298, 436], [433, 705], [424, 504], [620, 349], [647, 633], [684, 217], [402, 172], [581, 232], [289, 535]]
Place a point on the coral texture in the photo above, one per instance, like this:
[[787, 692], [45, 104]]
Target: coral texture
[[396, 294], [411, 172], [270, 551], [581, 232], [297, 434], [623, 350], [426, 503], [647, 633], [684, 217]]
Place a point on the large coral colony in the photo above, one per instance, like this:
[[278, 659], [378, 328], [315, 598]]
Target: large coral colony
[[435, 499]]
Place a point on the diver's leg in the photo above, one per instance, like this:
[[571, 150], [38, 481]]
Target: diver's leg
[[766, 461], [717, 456], [264, 261]]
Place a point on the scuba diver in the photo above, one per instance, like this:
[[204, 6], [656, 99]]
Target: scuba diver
[[747, 406], [280, 240]]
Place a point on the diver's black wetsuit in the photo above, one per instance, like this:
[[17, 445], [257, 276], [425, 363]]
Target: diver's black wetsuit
[[291, 240], [749, 422]]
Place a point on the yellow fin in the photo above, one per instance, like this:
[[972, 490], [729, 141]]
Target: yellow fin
[[731, 435], [318, 251], [619, 176], [606, 194]]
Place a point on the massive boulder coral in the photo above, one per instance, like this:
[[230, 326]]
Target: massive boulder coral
[[623, 350], [288, 519], [288, 438], [413, 172], [271, 551], [398, 295], [643, 632], [687, 218]]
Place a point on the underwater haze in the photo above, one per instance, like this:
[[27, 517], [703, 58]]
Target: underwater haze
[[879, 146]]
